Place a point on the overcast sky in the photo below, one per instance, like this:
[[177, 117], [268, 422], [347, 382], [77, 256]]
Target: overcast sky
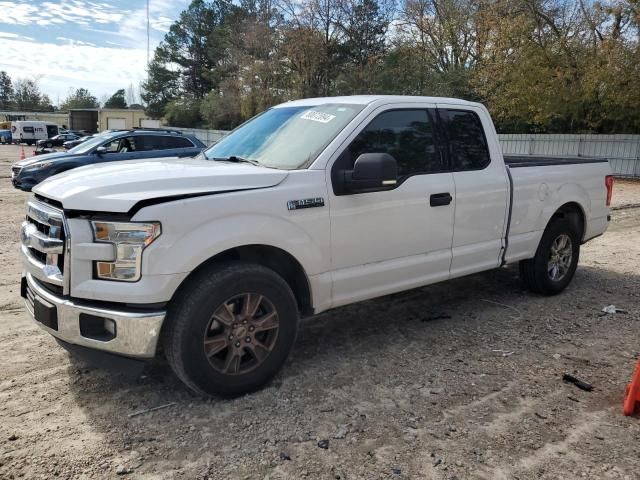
[[75, 43]]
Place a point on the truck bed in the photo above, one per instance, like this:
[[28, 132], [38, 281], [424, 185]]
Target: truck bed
[[516, 161]]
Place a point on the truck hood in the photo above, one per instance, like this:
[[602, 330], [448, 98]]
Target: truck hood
[[119, 186]]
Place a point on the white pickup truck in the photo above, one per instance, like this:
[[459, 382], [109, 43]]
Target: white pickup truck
[[313, 204]]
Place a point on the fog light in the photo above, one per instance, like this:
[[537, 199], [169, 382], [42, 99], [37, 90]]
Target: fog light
[[97, 328]]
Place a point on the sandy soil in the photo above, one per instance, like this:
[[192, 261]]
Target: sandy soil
[[455, 381]]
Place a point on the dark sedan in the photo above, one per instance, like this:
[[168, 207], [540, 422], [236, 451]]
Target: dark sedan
[[56, 141], [68, 145], [116, 146]]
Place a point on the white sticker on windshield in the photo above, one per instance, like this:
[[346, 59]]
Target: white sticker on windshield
[[317, 116]]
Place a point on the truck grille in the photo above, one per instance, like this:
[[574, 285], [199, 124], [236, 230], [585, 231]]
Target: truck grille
[[44, 243]]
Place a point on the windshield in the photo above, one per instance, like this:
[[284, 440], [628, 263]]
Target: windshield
[[87, 146], [285, 137]]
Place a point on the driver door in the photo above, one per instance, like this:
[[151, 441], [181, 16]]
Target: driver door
[[393, 239]]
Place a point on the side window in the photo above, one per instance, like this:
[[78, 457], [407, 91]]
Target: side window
[[122, 145], [177, 142], [157, 142], [467, 142], [407, 135]]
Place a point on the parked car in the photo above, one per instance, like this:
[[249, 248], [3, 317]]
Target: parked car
[[5, 136], [116, 146], [312, 205], [44, 151], [69, 144], [56, 141]]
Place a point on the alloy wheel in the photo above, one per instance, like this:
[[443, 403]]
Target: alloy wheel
[[241, 334], [560, 257]]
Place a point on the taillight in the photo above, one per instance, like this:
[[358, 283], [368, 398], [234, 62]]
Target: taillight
[[608, 182]]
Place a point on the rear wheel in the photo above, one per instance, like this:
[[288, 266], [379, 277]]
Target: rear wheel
[[556, 260], [230, 329]]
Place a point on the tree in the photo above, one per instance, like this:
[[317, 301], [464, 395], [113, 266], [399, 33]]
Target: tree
[[117, 100], [80, 98], [183, 112], [364, 26], [182, 64], [222, 110], [161, 87], [27, 95], [6, 91], [45, 104], [538, 65]]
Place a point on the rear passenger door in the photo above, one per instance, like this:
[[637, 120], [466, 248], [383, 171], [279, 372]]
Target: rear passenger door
[[481, 189]]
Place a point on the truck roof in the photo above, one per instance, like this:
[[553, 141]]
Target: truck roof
[[369, 99]]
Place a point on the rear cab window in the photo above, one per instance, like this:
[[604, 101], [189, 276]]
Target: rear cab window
[[467, 143]]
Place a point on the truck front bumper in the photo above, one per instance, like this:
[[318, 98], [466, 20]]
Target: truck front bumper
[[131, 333]]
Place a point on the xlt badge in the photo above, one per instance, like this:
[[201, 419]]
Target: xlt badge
[[305, 203]]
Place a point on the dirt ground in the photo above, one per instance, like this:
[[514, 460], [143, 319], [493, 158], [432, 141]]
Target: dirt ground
[[461, 380]]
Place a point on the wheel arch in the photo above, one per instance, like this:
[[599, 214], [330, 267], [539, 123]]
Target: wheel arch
[[274, 258], [574, 212]]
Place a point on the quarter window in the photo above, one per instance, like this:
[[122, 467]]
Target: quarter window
[[467, 143], [406, 135]]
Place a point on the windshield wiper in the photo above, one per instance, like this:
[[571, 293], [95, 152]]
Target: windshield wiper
[[236, 159]]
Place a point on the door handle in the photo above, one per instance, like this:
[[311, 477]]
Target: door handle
[[440, 199]]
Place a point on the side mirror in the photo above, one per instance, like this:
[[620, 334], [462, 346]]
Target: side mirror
[[101, 150], [372, 172]]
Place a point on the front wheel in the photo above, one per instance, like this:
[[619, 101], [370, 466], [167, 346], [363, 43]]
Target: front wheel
[[556, 260], [230, 328]]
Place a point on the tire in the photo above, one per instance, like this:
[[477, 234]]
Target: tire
[[538, 274], [222, 290]]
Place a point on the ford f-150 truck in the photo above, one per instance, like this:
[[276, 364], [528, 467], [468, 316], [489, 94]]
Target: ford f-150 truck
[[311, 205]]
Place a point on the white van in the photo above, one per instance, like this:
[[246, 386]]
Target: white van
[[29, 132]]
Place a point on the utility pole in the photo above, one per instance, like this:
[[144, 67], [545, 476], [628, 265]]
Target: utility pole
[[148, 37]]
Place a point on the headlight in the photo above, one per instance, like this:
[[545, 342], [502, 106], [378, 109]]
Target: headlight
[[129, 239], [43, 164]]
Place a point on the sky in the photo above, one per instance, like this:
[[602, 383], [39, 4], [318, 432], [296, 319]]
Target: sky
[[101, 46]]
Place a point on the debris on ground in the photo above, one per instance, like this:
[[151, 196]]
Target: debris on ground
[[342, 432], [587, 387], [152, 409], [505, 353], [610, 309], [323, 444], [122, 470]]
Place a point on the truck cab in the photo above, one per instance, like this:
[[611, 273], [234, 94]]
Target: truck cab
[[314, 204]]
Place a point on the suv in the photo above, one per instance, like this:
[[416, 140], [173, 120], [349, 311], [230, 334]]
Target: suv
[[134, 144]]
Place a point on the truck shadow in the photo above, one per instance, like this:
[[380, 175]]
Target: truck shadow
[[440, 338]]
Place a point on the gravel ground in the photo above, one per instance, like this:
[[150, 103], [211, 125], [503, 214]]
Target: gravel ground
[[458, 380]]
